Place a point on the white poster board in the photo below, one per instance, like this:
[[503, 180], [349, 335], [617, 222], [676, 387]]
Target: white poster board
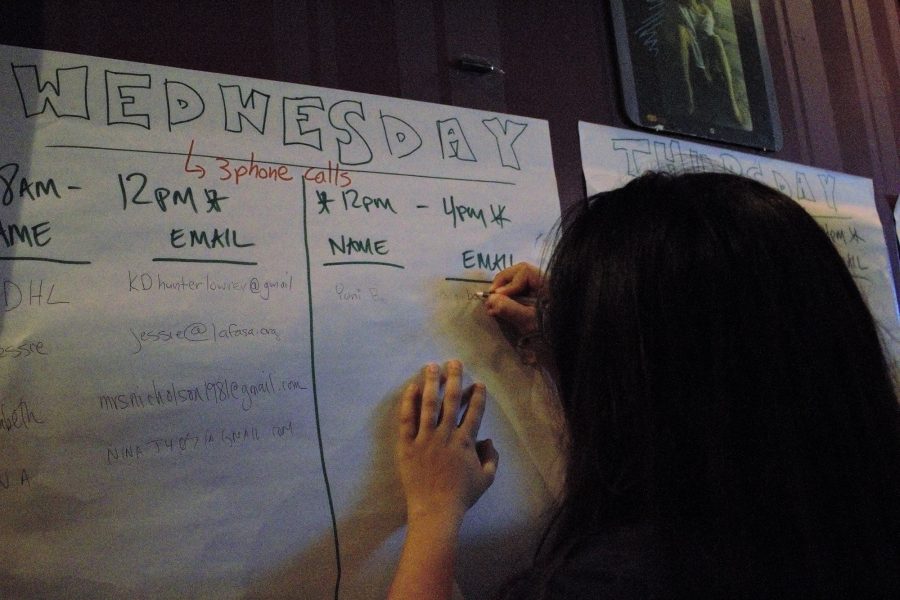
[[897, 219], [842, 204], [213, 288]]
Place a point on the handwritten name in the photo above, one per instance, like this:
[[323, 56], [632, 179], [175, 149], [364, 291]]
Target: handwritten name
[[23, 349], [356, 294], [23, 480], [35, 293], [21, 417]]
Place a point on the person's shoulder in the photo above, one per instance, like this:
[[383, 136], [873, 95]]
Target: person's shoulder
[[623, 564]]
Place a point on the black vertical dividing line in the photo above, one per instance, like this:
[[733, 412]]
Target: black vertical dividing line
[[312, 360]]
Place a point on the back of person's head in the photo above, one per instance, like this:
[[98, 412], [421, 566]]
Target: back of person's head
[[722, 380]]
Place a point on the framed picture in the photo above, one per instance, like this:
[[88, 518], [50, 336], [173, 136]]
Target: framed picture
[[699, 68]]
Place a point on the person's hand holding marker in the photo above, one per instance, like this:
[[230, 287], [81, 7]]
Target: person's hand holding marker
[[512, 294]]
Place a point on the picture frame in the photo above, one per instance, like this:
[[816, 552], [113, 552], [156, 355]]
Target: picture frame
[[698, 68]]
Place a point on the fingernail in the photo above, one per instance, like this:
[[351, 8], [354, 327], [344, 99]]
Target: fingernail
[[432, 369]]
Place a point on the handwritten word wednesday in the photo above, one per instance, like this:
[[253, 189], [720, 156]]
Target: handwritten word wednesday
[[306, 120]]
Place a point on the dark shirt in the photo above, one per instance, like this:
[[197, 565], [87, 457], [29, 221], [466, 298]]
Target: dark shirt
[[622, 564], [630, 563]]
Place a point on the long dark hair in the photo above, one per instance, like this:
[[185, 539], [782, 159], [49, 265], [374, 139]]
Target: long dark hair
[[723, 386]]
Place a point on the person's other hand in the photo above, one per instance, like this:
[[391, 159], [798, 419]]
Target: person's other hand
[[521, 279], [443, 469]]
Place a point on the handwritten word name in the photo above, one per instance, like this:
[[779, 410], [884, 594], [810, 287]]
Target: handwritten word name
[[31, 235], [349, 246]]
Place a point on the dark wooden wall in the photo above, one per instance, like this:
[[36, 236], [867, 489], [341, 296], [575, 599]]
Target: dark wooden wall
[[836, 63]]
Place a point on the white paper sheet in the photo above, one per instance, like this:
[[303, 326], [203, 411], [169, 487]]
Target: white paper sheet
[[897, 219], [842, 204], [213, 288]]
